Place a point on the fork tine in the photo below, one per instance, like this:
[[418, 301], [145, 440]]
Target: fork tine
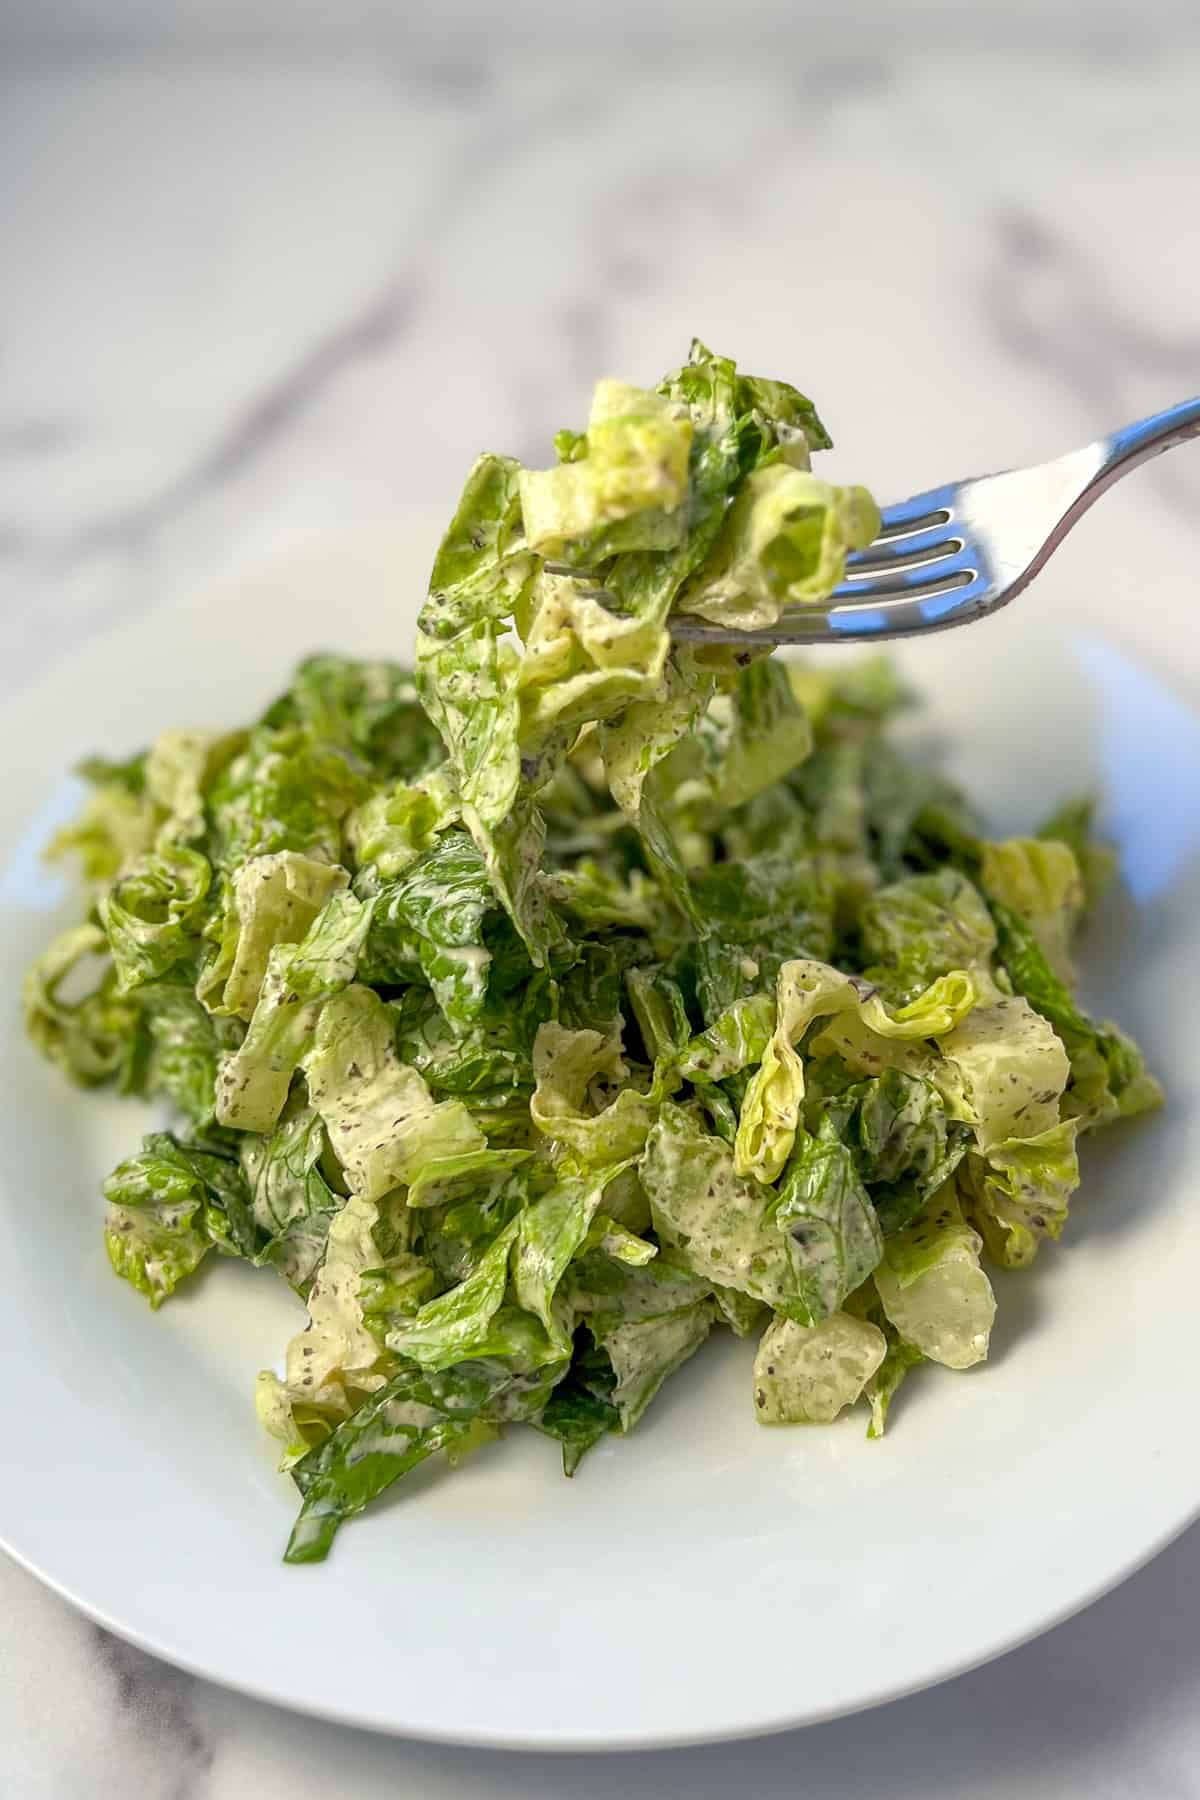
[[918, 510], [899, 615], [958, 568], [914, 548]]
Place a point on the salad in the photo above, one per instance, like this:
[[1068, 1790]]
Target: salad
[[541, 1010]]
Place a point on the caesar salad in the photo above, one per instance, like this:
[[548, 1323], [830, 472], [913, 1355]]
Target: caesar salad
[[540, 1008]]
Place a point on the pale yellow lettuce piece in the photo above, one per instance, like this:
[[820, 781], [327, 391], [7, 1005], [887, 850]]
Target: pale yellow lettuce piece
[[808, 990], [808, 1374], [1039, 878], [932, 1288]]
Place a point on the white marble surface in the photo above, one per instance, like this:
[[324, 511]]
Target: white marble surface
[[249, 300]]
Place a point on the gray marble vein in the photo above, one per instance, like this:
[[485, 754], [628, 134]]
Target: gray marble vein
[[161, 1709], [1052, 307], [250, 434]]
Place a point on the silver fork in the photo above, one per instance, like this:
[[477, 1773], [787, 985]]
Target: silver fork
[[956, 553]]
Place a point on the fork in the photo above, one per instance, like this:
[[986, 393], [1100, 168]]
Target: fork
[[956, 553]]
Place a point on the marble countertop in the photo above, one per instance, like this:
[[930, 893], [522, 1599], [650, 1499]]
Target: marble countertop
[[249, 301]]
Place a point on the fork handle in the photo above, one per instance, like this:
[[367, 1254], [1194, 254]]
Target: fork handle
[[1115, 456], [1136, 443]]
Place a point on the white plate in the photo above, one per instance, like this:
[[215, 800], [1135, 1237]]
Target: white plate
[[706, 1578]]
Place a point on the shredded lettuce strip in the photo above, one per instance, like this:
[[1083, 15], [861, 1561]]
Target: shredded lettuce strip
[[540, 1011]]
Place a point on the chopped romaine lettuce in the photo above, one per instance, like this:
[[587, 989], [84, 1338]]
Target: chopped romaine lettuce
[[932, 1288], [252, 1084], [385, 1127], [537, 1011], [808, 1374]]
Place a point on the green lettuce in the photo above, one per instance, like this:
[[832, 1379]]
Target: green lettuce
[[293, 1201], [252, 1083], [167, 1207], [1019, 1192], [483, 567], [1003, 1070], [369, 710], [180, 1047], [720, 1224], [1071, 824], [428, 922], [551, 1231], [645, 1321], [1041, 880], [384, 1126], [808, 1374], [924, 926], [629, 470], [1108, 1074], [932, 1288], [590, 986], [115, 825], [153, 914], [783, 543], [288, 789], [808, 990], [411, 1418], [572, 1070], [834, 1235], [271, 900], [399, 824], [94, 1038]]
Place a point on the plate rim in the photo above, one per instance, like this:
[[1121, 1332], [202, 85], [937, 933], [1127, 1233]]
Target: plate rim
[[575, 1743], [1181, 680]]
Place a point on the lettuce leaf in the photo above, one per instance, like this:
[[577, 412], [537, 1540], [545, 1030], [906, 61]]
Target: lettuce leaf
[[400, 823], [808, 990], [835, 1239], [291, 1198], [468, 685], [932, 1288], [719, 1224], [369, 709], [1003, 1071], [430, 920], [646, 1321], [630, 470], [482, 567], [335, 1360], [252, 1083], [414, 1416], [1041, 880], [287, 789], [1071, 824], [384, 1125], [92, 1039], [1108, 1074], [270, 900], [153, 914], [115, 825], [578, 1419], [167, 1207], [808, 1374], [900, 1359], [924, 926], [573, 1068], [550, 1233], [783, 543], [1019, 1192], [180, 1047], [456, 1326]]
